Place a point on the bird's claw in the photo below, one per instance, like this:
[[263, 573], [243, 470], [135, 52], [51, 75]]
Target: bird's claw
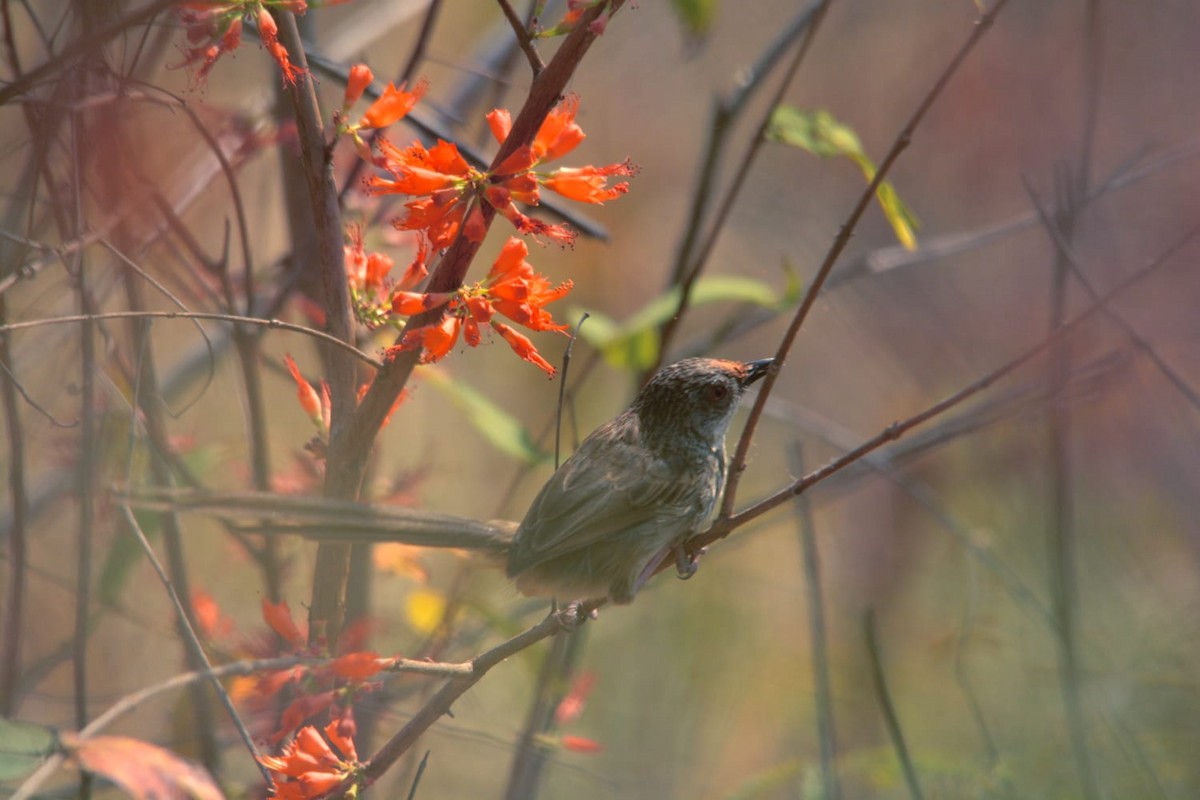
[[687, 562], [574, 614]]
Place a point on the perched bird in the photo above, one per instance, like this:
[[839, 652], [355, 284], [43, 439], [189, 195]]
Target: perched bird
[[630, 497], [637, 488]]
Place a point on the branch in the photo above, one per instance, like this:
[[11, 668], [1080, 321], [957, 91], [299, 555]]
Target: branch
[[231, 318], [903, 139], [727, 524]]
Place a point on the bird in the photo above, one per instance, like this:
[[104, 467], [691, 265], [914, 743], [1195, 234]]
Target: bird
[[636, 490], [630, 497]]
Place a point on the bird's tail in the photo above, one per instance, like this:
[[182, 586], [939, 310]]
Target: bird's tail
[[328, 519]]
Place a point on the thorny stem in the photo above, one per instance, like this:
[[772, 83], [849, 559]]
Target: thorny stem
[[903, 139]]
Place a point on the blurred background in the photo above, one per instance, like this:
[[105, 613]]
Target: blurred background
[[1028, 559]]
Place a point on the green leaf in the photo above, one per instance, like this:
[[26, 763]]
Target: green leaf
[[696, 16], [634, 343], [23, 746], [822, 135], [499, 427], [124, 554]]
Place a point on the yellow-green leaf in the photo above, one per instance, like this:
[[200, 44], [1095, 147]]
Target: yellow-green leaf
[[822, 135], [23, 746], [499, 427], [634, 342]]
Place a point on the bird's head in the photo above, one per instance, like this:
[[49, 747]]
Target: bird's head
[[692, 401]]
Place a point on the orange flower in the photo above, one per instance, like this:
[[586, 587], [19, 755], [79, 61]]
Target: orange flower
[[279, 617], [588, 184], [501, 200], [214, 27], [580, 744], [524, 348], [367, 275], [419, 171], [511, 288], [450, 190], [356, 83], [311, 764], [358, 666], [393, 105], [310, 401]]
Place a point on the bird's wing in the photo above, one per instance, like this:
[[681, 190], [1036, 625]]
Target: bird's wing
[[609, 486]]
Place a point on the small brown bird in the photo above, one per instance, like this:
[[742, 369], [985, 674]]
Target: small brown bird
[[630, 497], [637, 488]]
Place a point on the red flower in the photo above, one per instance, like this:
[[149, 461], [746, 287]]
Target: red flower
[[523, 347], [511, 288], [311, 764], [310, 401], [588, 184], [279, 617], [215, 28], [356, 83], [450, 190], [393, 105]]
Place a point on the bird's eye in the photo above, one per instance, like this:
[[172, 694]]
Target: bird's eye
[[717, 392]]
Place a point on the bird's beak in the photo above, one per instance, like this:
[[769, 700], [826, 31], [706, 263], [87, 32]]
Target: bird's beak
[[756, 370]]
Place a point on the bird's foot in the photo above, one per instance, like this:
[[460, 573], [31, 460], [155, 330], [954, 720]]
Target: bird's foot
[[687, 561], [575, 613]]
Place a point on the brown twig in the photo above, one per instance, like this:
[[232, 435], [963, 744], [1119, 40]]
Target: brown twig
[[85, 44], [212, 315], [454, 688], [738, 463], [726, 525], [522, 37], [14, 593], [690, 269], [887, 708]]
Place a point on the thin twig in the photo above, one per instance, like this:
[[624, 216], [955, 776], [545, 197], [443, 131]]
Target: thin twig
[[454, 688], [193, 641], [522, 36], [1065, 250], [810, 22], [818, 641], [14, 592], [725, 525], [231, 318], [738, 463], [85, 44], [562, 389], [895, 732]]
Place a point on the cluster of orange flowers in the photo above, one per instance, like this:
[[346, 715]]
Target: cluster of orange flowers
[[451, 192], [214, 27], [511, 288], [449, 197]]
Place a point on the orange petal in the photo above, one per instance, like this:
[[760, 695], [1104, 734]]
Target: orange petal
[[511, 259], [357, 666], [360, 78], [392, 105], [500, 122], [409, 303], [279, 617], [309, 400], [558, 134], [524, 348]]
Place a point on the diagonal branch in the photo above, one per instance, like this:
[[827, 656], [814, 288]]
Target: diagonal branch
[[903, 139]]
